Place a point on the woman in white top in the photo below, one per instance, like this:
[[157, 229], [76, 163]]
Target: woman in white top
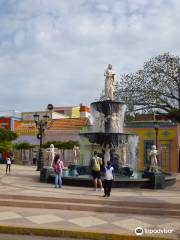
[[8, 165], [108, 179]]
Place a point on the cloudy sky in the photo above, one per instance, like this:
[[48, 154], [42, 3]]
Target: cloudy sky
[[56, 51]]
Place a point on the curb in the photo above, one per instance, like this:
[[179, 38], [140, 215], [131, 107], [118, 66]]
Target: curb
[[71, 233]]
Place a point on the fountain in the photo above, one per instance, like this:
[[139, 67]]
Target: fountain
[[106, 135], [106, 131]]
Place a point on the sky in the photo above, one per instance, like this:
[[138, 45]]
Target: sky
[[56, 51]]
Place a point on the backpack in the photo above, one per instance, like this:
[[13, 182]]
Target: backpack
[[95, 164], [57, 167]]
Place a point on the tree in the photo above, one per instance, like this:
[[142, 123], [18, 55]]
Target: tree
[[155, 88], [6, 136], [23, 145], [62, 145]]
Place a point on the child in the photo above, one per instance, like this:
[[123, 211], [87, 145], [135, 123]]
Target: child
[[108, 179]]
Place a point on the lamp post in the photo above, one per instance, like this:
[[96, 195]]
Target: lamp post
[[156, 128], [41, 125]]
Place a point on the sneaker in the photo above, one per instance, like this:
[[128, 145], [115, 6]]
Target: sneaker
[[102, 189]]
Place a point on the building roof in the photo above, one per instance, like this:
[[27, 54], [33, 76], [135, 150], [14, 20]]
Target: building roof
[[64, 108], [26, 128], [67, 124]]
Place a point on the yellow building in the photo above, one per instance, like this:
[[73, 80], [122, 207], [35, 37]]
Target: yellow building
[[168, 143], [74, 112]]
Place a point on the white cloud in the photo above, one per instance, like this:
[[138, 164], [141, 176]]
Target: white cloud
[[56, 51]]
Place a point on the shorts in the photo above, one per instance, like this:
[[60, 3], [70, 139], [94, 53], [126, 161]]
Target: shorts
[[96, 174]]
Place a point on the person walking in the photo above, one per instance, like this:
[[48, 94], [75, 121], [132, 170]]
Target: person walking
[[95, 165], [108, 179], [58, 167], [8, 165]]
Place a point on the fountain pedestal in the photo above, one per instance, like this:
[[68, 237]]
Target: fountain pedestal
[[157, 179]]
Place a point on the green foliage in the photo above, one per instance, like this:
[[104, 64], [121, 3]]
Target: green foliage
[[154, 88], [129, 118], [23, 145], [61, 145], [5, 146], [6, 136]]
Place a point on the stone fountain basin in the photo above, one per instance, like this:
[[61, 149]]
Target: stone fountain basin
[[107, 107], [107, 138], [85, 180]]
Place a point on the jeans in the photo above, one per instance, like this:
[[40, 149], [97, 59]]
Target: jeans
[[58, 180]]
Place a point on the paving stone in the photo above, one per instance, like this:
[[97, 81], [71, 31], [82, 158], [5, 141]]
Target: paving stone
[[87, 221], [41, 219], [8, 215]]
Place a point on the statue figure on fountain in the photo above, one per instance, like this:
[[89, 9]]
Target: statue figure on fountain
[[100, 122], [51, 151], [76, 153], [115, 123], [106, 149], [153, 157], [109, 83]]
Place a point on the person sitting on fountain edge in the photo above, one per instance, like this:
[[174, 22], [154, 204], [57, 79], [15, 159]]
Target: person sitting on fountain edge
[[95, 165]]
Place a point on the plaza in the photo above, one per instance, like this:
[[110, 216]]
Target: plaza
[[30, 207], [89, 119]]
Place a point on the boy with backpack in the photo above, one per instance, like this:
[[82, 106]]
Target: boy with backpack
[[58, 166], [95, 165]]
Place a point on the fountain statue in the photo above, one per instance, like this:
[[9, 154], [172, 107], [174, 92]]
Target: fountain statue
[[51, 151], [76, 153], [106, 148], [109, 82]]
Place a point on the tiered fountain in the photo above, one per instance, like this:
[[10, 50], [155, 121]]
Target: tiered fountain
[[105, 134], [106, 131]]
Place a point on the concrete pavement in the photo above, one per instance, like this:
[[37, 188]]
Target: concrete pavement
[[25, 202]]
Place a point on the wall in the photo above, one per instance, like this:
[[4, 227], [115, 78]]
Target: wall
[[168, 137], [5, 122]]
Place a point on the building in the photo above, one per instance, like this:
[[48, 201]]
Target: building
[[9, 120], [168, 142], [61, 127], [74, 112]]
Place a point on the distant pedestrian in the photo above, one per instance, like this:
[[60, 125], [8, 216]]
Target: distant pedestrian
[[108, 179], [8, 165], [95, 165], [58, 167], [34, 160]]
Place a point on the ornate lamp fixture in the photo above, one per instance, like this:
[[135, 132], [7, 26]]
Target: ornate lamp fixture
[[41, 125]]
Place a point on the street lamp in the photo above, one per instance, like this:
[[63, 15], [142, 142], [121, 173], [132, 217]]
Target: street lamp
[[41, 125]]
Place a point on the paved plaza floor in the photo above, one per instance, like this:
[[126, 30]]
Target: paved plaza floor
[[24, 182]]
